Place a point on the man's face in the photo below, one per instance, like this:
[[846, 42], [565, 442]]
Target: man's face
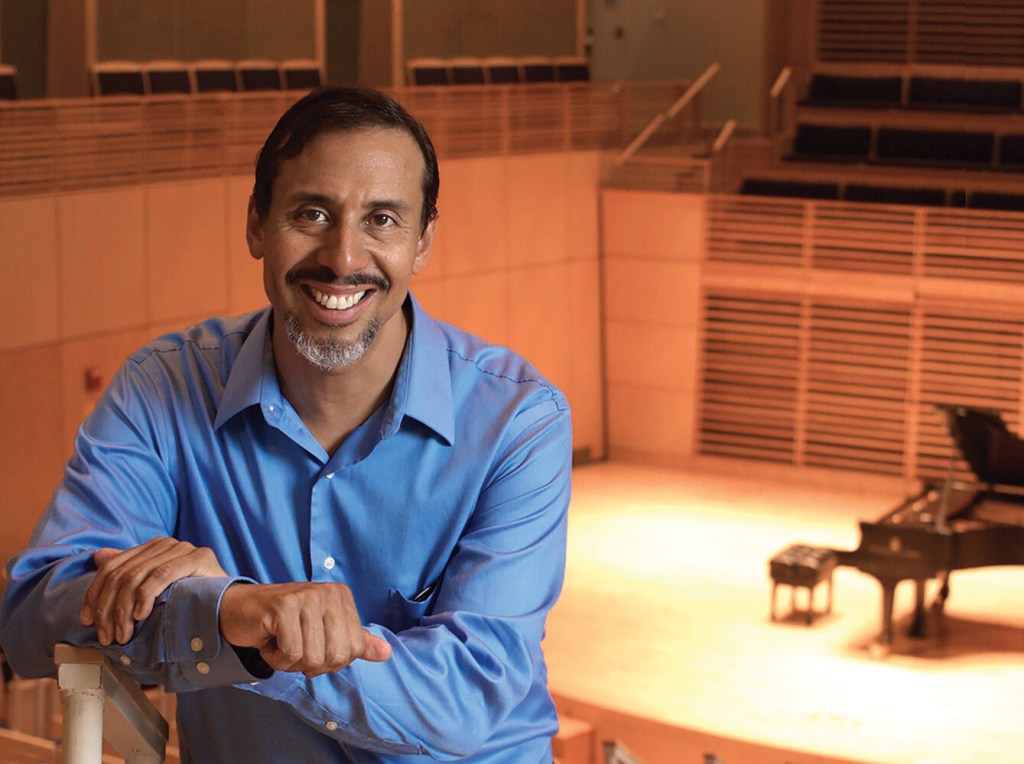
[[341, 241]]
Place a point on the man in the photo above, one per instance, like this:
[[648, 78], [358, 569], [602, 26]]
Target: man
[[335, 526]]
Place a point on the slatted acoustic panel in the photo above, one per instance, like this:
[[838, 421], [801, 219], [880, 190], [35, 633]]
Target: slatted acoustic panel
[[971, 354], [832, 330], [751, 372], [70, 144], [974, 245], [857, 386], [815, 382], [867, 238], [962, 32], [756, 231], [854, 30], [971, 32]]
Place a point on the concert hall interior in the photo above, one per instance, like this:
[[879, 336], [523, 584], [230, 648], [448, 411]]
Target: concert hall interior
[[771, 250]]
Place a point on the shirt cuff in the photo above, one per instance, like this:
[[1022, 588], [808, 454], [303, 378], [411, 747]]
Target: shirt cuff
[[193, 640]]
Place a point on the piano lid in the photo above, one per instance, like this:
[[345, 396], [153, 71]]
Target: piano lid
[[994, 453]]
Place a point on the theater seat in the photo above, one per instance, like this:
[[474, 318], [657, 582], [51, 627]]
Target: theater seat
[[164, 77], [992, 200], [1011, 152], [8, 82], [301, 74], [258, 74], [947, 148], [832, 143], [118, 78], [922, 197], [789, 188], [572, 69], [466, 71], [538, 69], [502, 71], [215, 76], [427, 71], [965, 94], [861, 92]]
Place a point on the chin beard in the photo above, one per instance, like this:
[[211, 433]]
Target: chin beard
[[327, 353]]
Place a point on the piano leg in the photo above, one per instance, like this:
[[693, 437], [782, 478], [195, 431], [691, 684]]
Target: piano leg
[[940, 598], [917, 626], [883, 645]]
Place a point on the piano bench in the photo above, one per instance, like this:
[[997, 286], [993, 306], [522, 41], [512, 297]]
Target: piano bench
[[803, 566]]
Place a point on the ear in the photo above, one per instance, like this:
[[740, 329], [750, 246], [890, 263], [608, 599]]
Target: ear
[[423, 247], [254, 231]]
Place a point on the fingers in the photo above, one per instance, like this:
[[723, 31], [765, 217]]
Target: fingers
[[311, 628], [127, 583]]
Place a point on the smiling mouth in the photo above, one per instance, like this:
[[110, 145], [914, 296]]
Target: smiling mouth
[[334, 301]]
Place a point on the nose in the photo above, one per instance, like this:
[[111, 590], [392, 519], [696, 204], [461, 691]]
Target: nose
[[343, 249]]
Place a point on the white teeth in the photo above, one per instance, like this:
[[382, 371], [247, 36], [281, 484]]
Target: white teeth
[[334, 302]]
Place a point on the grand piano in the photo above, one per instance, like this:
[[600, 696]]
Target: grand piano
[[950, 525]]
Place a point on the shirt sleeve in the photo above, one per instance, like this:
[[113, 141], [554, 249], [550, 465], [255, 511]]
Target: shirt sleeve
[[457, 675], [117, 493]]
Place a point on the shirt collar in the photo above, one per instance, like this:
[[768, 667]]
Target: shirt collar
[[252, 374], [423, 385], [422, 391]]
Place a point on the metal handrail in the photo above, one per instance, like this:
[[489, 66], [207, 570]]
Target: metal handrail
[[776, 94], [99, 702], [681, 103]]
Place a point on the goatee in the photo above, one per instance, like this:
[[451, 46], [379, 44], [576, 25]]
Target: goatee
[[326, 353]]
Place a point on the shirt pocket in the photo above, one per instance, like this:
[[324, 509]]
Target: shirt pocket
[[405, 612]]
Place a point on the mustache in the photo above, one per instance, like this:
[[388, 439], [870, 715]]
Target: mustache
[[325, 275]]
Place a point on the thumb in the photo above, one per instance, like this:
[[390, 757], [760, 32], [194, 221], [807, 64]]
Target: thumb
[[376, 649]]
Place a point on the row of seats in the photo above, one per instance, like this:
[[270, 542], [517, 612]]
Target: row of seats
[[956, 149], [496, 71], [880, 194], [916, 92], [111, 78]]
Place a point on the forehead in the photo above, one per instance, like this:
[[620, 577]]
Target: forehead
[[381, 155]]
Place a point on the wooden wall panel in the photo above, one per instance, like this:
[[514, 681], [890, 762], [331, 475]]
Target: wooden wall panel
[[28, 292], [185, 244], [101, 272]]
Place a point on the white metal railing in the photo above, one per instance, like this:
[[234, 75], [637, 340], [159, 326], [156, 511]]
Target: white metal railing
[[100, 702], [671, 112]]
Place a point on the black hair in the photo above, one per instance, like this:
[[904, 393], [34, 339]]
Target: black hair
[[331, 108]]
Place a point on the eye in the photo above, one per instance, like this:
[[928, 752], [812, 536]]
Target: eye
[[311, 215], [381, 220]]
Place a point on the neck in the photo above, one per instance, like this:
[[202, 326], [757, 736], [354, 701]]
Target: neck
[[333, 403]]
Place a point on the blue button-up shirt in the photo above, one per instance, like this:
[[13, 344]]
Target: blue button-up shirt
[[445, 512]]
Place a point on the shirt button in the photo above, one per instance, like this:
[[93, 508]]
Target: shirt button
[[270, 408], [331, 725], [329, 475], [196, 644], [125, 660], [328, 563], [203, 667]]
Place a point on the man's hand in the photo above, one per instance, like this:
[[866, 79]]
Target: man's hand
[[312, 628], [127, 583]]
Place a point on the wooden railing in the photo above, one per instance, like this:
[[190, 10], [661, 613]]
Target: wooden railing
[[60, 145]]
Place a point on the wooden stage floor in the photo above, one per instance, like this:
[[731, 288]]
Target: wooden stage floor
[[662, 638]]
